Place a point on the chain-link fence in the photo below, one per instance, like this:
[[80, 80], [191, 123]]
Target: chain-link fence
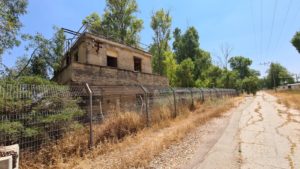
[[35, 115]]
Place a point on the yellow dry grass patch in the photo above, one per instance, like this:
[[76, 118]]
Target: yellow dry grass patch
[[290, 98], [124, 141]]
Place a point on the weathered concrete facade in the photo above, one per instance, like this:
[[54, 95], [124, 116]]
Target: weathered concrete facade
[[99, 61]]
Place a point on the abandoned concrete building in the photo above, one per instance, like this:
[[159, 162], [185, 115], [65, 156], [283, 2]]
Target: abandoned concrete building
[[116, 72], [99, 61]]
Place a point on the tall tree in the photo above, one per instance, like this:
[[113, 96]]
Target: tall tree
[[240, 64], [171, 67], [46, 53], [202, 63], [10, 24], [161, 25], [277, 75], [186, 45], [57, 49], [296, 41], [214, 75], [225, 50], [184, 73], [118, 21]]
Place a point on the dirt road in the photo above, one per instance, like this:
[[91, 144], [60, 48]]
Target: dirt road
[[259, 133]]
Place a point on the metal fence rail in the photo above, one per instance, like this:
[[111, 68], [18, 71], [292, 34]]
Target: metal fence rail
[[35, 115]]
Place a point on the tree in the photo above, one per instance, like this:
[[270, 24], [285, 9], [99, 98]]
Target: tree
[[118, 22], [226, 50], [184, 73], [57, 49], [170, 67], [186, 45], [250, 84], [214, 74], [277, 75], [202, 63], [46, 54], [241, 64], [20, 65], [10, 12], [93, 22], [296, 41], [161, 25], [229, 79]]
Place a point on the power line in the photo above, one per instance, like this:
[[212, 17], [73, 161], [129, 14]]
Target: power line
[[284, 22], [253, 27], [272, 25], [261, 28]]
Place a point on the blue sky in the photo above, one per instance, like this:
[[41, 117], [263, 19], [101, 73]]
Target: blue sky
[[246, 25]]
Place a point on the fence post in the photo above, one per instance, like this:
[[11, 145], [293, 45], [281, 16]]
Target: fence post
[[147, 105], [202, 95], [192, 97], [91, 141], [174, 98]]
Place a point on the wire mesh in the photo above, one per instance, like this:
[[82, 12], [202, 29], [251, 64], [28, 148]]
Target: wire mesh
[[36, 115]]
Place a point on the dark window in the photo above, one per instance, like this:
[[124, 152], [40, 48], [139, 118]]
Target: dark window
[[76, 57], [68, 60], [112, 61], [137, 64]]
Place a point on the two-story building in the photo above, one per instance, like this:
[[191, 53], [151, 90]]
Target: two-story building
[[99, 61], [116, 70]]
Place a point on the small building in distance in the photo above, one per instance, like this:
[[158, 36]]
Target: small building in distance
[[98, 61], [294, 86]]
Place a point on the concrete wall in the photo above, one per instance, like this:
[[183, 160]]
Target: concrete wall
[[78, 73], [94, 50]]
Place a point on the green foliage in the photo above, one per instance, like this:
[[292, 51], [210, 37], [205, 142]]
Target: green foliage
[[186, 45], [250, 84], [46, 55], [214, 74], [184, 73], [277, 75], [161, 25], [296, 41], [10, 12], [57, 50], [10, 128], [202, 63], [241, 65], [118, 22], [171, 67], [42, 104], [229, 79], [94, 23], [31, 80]]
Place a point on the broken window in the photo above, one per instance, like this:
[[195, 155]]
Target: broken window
[[137, 64], [112, 61], [68, 60], [76, 57]]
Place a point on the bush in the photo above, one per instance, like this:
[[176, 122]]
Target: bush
[[35, 112]]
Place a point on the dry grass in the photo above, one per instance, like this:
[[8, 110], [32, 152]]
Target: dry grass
[[124, 141], [290, 98]]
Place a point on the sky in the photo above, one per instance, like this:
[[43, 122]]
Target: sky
[[258, 29]]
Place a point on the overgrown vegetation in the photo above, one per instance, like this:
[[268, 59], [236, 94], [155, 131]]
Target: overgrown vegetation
[[125, 139], [35, 114]]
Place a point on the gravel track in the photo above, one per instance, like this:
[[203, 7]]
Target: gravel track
[[259, 133]]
